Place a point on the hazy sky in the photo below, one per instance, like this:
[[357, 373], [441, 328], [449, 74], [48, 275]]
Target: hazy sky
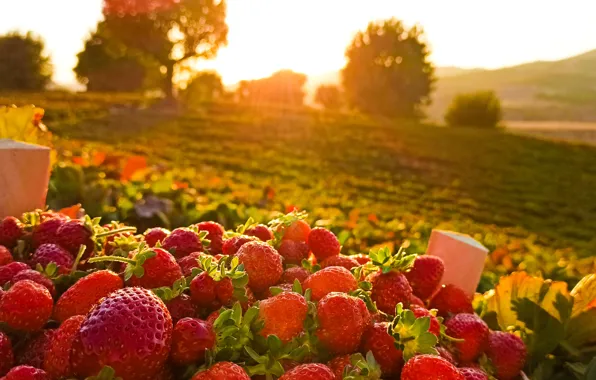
[[310, 36]]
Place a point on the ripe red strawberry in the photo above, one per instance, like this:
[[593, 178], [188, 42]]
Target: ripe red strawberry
[[46, 232], [424, 367], [155, 235], [330, 279], [293, 252], [223, 371], [446, 354], [473, 374], [231, 246], [5, 256], [8, 271], [361, 258], [53, 253], [451, 300], [11, 230], [473, 331], [190, 340], [160, 270], [130, 330], [74, 233], [382, 345], [262, 263], [188, 263], [57, 358], [35, 276], [283, 315], [215, 233], [426, 275], [33, 352], [208, 293], [113, 242], [340, 261], [85, 293], [389, 289], [416, 301], [182, 242], [6, 354], [435, 326], [340, 323], [338, 364], [267, 294], [297, 231], [261, 231], [323, 243], [312, 371], [294, 273], [25, 372], [181, 307], [26, 306], [507, 353]]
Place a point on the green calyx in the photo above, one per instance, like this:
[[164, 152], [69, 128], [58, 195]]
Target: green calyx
[[202, 236], [362, 368], [134, 265], [106, 373], [167, 294], [279, 224], [241, 229], [411, 334], [387, 262], [227, 267], [267, 355], [234, 331], [296, 288]]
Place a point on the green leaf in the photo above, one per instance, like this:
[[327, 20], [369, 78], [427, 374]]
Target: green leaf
[[343, 236], [274, 343], [237, 314], [297, 287]]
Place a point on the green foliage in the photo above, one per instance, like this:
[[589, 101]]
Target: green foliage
[[23, 64], [283, 87], [329, 96], [388, 71], [205, 86], [479, 109], [387, 261], [411, 334]]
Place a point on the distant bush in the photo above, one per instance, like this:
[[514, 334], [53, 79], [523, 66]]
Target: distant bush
[[479, 109], [23, 64], [329, 96]]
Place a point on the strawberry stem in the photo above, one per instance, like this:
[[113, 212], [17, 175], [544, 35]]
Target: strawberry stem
[[82, 250], [117, 231], [119, 259]]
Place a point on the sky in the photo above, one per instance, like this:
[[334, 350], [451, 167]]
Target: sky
[[310, 36]]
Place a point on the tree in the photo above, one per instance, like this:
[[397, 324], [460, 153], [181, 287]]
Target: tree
[[329, 96], [169, 31], [204, 87], [283, 87], [23, 65], [388, 72], [478, 109]]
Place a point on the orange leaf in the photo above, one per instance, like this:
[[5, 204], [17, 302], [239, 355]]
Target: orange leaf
[[72, 211], [133, 165], [79, 161], [270, 193], [180, 185], [98, 158], [373, 218]]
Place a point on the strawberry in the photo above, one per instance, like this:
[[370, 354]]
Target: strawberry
[[57, 359], [330, 279], [26, 306], [155, 235], [341, 324], [182, 242], [46, 232], [260, 231], [6, 354], [262, 263], [85, 293], [389, 284], [8, 271], [293, 252], [130, 330], [416, 301], [34, 350], [267, 294], [124, 240], [74, 233], [181, 307], [299, 230], [5, 256], [435, 325], [382, 345], [222, 371], [424, 367], [507, 353], [294, 273], [161, 269], [312, 371], [35, 276], [451, 300], [283, 315], [11, 230], [190, 340], [215, 233], [425, 275], [202, 290], [473, 374], [188, 263], [53, 253], [362, 259], [25, 372], [323, 243], [338, 364], [473, 330], [340, 261], [231, 246], [446, 354]]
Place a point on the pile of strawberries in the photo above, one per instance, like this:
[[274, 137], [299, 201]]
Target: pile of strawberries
[[84, 301]]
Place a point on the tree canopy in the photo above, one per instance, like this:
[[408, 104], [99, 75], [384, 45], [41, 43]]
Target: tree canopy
[[478, 109], [388, 72], [283, 87], [329, 96], [23, 65]]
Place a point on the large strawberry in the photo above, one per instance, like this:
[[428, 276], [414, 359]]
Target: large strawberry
[[340, 261], [341, 323], [74, 233], [190, 340], [507, 353], [26, 372], [474, 332], [262, 263], [293, 252], [425, 275], [451, 300], [231, 246], [155, 235], [26, 306], [283, 315], [182, 242], [46, 232], [6, 354], [323, 243], [435, 325], [181, 307], [85, 293], [294, 273], [215, 233], [297, 231], [34, 349], [382, 345], [5, 256], [57, 359], [312, 371], [330, 279], [53, 253], [8, 271], [261, 231], [425, 367], [222, 371], [35, 276], [130, 331], [11, 230]]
